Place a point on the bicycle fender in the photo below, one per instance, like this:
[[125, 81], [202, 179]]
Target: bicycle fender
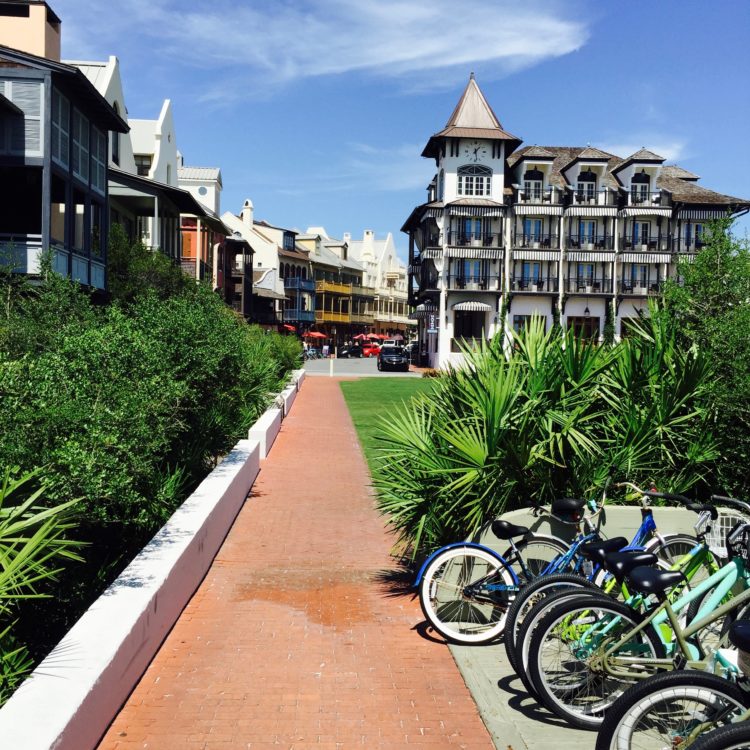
[[471, 545]]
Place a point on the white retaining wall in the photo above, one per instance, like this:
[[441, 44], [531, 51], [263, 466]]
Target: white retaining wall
[[75, 693]]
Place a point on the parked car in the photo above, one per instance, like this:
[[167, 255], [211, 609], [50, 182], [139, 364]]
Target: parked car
[[370, 349], [412, 350], [352, 350], [393, 358]]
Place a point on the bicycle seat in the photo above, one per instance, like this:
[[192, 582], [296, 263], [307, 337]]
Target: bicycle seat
[[739, 634], [653, 580], [567, 505], [596, 550], [505, 530], [621, 563]]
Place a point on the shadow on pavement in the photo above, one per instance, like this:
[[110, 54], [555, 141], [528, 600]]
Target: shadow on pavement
[[521, 701]]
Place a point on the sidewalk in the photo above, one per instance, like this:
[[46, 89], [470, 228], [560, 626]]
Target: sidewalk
[[296, 638]]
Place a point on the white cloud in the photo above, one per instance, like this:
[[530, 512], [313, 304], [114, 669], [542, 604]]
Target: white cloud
[[670, 148], [288, 40]]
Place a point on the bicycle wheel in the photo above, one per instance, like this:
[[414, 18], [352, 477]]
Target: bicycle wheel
[[669, 710], [563, 651], [732, 737], [537, 551], [534, 617], [528, 597], [465, 593], [673, 549]]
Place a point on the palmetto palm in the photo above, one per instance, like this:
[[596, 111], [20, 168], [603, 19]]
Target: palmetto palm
[[545, 417]]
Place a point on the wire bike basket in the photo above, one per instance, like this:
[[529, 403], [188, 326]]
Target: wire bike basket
[[716, 536]]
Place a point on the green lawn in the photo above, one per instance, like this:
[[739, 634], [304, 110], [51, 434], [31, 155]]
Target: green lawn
[[369, 399]]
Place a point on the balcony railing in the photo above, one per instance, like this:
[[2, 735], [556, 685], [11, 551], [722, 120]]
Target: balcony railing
[[540, 195], [646, 198], [687, 244], [295, 314], [475, 283], [639, 287], [363, 291], [652, 244], [266, 318], [588, 285], [327, 316], [591, 242], [547, 241], [333, 286], [304, 285], [532, 284], [594, 198], [474, 240], [363, 318]]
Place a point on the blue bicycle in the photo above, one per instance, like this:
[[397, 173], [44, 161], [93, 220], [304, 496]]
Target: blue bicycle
[[466, 588]]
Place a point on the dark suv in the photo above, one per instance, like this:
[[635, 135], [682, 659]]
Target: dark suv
[[353, 350], [393, 358]]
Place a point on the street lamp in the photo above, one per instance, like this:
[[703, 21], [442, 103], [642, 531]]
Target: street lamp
[[587, 312]]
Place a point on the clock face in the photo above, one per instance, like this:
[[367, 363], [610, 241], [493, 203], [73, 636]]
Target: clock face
[[475, 150]]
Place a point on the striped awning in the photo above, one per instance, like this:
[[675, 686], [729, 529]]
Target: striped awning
[[434, 213], [423, 311], [480, 253], [473, 306], [592, 211], [583, 256], [702, 214], [432, 252], [646, 211], [536, 255], [476, 210], [532, 210], [645, 258]]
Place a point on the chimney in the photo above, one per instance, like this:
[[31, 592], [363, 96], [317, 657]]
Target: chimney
[[247, 213], [30, 26], [347, 237]]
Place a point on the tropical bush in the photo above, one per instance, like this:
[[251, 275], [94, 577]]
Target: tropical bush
[[709, 304], [33, 543], [555, 416]]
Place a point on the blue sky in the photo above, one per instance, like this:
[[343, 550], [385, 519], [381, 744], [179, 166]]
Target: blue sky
[[318, 110]]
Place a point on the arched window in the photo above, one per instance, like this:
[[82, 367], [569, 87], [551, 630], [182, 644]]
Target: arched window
[[282, 270], [298, 272], [640, 187], [116, 140], [474, 179], [304, 273], [533, 182], [441, 185], [586, 186]]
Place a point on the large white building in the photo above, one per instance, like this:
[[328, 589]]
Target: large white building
[[577, 235]]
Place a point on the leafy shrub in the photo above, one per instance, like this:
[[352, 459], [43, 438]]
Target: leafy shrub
[[553, 417]]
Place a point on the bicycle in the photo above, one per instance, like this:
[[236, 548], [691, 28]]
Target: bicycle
[[670, 549], [608, 645], [676, 709], [465, 587]]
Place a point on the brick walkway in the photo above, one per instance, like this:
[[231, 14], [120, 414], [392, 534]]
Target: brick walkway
[[293, 640]]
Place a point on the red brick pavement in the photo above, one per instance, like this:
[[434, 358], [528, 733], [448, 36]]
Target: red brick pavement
[[293, 640]]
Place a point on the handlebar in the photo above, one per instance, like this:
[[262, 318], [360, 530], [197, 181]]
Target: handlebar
[[721, 499], [653, 493]]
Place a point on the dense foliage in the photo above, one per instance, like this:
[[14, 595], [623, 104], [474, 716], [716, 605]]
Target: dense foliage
[[555, 416], [710, 306], [123, 407]]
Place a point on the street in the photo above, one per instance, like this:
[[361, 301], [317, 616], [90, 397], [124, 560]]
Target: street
[[364, 367]]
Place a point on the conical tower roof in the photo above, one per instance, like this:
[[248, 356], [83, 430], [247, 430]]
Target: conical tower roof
[[472, 118]]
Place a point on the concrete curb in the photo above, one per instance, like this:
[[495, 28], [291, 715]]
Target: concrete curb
[[72, 696]]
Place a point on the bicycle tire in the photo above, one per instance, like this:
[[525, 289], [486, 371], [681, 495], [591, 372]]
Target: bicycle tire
[[450, 610], [562, 696], [731, 737], [672, 548], [523, 641], [651, 705], [527, 597]]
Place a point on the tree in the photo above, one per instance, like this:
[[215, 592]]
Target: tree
[[710, 304]]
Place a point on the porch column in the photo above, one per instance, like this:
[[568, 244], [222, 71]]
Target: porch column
[[155, 238], [198, 248]]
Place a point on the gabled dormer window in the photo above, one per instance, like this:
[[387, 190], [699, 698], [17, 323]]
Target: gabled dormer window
[[533, 184], [474, 179], [640, 187], [288, 241]]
